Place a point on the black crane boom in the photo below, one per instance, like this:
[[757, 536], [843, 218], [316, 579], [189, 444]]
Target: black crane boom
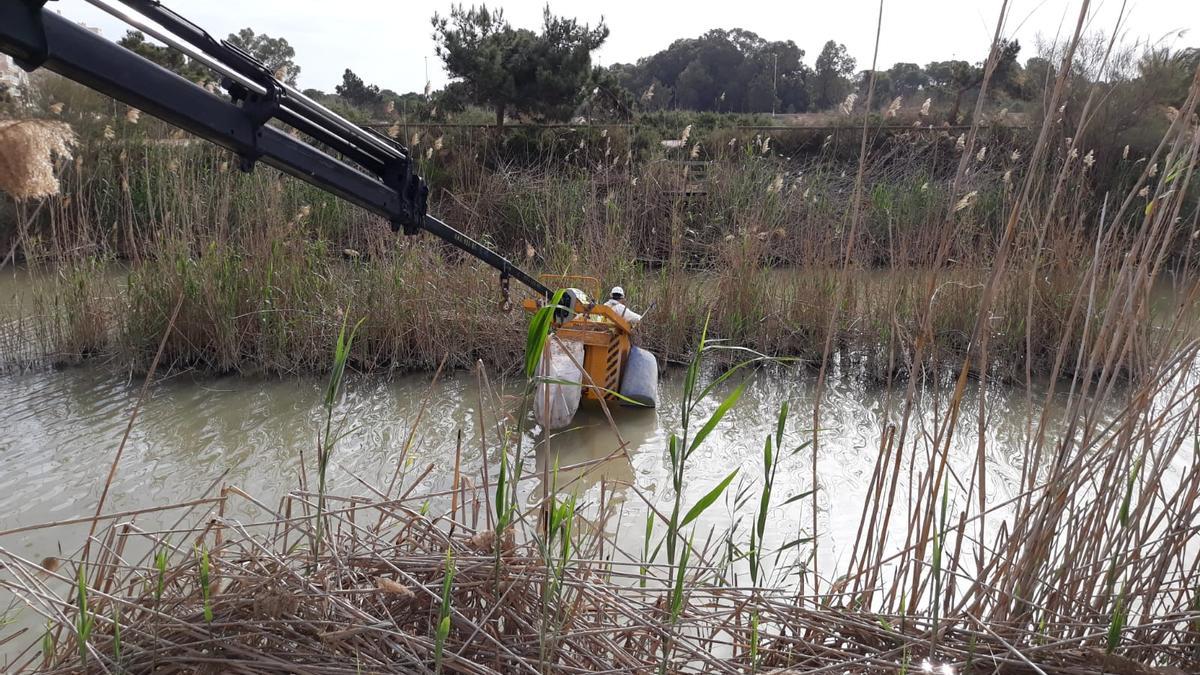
[[361, 166]]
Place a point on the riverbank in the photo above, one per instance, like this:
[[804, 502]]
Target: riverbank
[[415, 598], [255, 312]]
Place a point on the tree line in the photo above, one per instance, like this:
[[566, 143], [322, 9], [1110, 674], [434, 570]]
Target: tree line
[[549, 74]]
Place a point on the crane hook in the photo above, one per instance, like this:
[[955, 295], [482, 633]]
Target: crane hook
[[505, 302]]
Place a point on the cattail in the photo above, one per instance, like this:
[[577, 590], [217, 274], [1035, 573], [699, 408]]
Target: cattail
[[848, 105], [733, 142], [351, 253], [1016, 155], [604, 133], [530, 251], [776, 185], [687, 132], [695, 151], [1072, 154], [1125, 153], [1144, 192], [1008, 177], [56, 108], [766, 145], [428, 153], [1089, 159], [966, 201], [649, 94], [893, 107], [29, 150], [925, 107], [428, 88], [394, 131], [924, 186], [132, 115], [960, 143], [1153, 170], [416, 139], [981, 154], [722, 97], [437, 143], [633, 181], [389, 107]]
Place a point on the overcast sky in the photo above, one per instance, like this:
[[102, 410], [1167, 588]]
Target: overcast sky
[[388, 42]]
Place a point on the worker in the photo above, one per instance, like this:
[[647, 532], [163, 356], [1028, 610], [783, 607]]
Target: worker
[[617, 302]]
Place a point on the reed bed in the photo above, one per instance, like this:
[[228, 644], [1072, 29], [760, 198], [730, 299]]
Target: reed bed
[[239, 597]]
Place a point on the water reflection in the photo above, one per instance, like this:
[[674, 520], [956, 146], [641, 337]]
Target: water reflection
[[591, 449]]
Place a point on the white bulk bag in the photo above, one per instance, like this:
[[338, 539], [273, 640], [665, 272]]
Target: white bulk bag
[[554, 403]]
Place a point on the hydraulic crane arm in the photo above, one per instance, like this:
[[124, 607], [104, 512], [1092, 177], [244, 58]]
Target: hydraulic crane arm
[[369, 169]]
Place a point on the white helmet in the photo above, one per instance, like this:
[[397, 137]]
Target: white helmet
[[617, 292]]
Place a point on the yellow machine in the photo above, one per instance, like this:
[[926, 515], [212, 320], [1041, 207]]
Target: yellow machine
[[603, 333]]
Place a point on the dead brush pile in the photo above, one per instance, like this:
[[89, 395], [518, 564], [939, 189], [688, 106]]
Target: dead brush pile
[[398, 591]]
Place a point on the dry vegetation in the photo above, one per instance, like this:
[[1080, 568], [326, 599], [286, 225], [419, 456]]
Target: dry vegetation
[[930, 255]]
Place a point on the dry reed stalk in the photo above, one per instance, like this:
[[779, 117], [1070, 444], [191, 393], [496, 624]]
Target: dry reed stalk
[[856, 201]]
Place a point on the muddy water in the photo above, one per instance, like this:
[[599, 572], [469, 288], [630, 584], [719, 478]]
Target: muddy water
[[62, 428]]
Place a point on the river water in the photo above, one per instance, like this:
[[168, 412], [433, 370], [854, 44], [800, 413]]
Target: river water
[[62, 429]]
